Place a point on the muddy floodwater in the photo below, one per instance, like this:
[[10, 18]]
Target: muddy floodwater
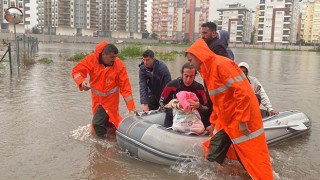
[[45, 120]]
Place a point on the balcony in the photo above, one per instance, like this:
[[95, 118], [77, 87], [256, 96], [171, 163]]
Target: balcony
[[240, 23], [287, 14], [164, 6], [286, 19], [285, 39], [286, 26], [288, 1], [260, 32], [286, 32]]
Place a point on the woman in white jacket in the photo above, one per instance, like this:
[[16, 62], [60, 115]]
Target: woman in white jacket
[[258, 89]]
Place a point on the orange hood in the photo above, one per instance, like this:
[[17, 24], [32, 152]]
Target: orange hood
[[201, 50], [99, 48]]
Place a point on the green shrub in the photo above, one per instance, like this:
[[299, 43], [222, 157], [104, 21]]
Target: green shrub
[[45, 60], [131, 51], [168, 56], [80, 56], [77, 57]]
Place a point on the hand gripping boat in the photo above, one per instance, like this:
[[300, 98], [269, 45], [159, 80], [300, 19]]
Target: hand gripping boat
[[145, 137]]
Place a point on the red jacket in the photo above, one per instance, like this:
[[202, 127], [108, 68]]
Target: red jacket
[[106, 83], [234, 102]]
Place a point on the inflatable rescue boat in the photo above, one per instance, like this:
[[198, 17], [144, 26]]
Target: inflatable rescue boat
[[145, 137]]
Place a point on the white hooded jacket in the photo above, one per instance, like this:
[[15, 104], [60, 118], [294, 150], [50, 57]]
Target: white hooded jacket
[[258, 88]]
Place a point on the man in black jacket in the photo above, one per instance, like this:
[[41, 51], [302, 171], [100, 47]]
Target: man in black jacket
[[185, 83], [210, 36], [153, 77]]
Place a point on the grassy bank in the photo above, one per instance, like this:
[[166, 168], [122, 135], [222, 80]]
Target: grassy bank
[[131, 52], [156, 44]]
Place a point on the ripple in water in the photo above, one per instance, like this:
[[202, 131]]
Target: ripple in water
[[206, 170], [83, 133]]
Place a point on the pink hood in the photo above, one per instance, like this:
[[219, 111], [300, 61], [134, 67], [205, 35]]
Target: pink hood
[[183, 97]]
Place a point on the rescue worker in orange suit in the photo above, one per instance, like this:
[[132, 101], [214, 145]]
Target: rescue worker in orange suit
[[236, 112], [108, 79]]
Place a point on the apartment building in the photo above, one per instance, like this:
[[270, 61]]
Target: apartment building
[[278, 21], [310, 23], [237, 20], [256, 24], [67, 17], [122, 19], [108, 18], [24, 6], [178, 20]]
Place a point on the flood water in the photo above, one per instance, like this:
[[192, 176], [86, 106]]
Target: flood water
[[45, 131]]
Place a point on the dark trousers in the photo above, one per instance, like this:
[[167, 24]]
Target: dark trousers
[[153, 102], [100, 122], [219, 146], [169, 118], [153, 106]]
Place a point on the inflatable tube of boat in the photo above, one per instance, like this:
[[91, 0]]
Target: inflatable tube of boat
[[145, 137]]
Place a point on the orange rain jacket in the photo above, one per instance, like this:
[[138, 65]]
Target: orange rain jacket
[[234, 102], [105, 83]]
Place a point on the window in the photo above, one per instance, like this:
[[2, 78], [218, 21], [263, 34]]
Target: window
[[239, 39]]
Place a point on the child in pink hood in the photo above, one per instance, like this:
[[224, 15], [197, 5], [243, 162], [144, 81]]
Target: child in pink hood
[[184, 98], [186, 119]]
